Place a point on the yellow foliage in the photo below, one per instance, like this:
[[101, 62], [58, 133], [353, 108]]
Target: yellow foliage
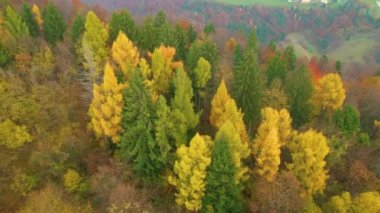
[[162, 69], [37, 15], [377, 124], [308, 152], [239, 150], [125, 54], [329, 93], [367, 202], [224, 108], [13, 136], [339, 203], [72, 180], [190, 172], [106, 107], [231, 44]]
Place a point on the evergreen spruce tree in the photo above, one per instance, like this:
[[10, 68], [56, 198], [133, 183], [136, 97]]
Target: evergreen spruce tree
[[276, 69], [137, 143], [29, 19], [248, 84], [299, 89], [77, 29], [222, 193], [124, 22], [54, 24]]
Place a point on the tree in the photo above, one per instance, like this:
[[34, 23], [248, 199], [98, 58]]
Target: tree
[[209, 29], [224, 108], [95, 38], [247, 83], [13, 136], [147, 35], [273, 132], [308, 151], [190, 172], [366, 202], [183, 107], [201, 75], [239, 150], [191, 34], [106, 106], [329, 92], [290, 58], [338, 66], [299, 89], [54, 24], [162, 69], [125, 54], [72, 180], [137, 143], [276, 69], [29, 20], [222, 191], [206, 49], [339, 203], [347, 119], [275, 96], [124, 22], [37, 15], [14, 24], [77, 29]]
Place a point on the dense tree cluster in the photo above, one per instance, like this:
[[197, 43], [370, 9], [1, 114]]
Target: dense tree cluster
[[127, 117]]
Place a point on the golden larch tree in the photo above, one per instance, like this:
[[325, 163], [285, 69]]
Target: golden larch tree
[[329, 92], [125, 54], [224, 108], [106, 107], [308, 151], [37, 15], [190, 172]]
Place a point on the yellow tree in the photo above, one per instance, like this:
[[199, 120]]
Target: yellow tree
[[125, 54], [224, 108], [239, 150], [95, 39], [106, 106], [266, 148], [308, 152], [190, 172], [13, 136], [37, 15], [329, 93]]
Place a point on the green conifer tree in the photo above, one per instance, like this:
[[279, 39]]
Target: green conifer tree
[[54, 24], [29, 19]]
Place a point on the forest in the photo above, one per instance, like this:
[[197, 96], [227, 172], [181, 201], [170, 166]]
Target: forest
[[108, 111]]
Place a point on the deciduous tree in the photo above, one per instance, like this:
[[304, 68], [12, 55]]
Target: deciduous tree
[[190, 172], [14, 24], [308, 151], [106, 106], [329, 92], [12, 135]]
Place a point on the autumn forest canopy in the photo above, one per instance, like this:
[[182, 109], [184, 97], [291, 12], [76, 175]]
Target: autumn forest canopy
[[107, 111]]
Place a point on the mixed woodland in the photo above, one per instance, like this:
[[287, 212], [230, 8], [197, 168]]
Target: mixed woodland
[[100, 112]]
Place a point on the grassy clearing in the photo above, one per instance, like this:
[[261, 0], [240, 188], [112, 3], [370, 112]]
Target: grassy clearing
[[301, 45]]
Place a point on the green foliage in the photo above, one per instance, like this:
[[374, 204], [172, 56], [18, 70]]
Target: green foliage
[[77, 29], [4, 56], [347, 119], [299, 89], [238, 55], [147, 35], [206, 49], [137, 143], [248, 84], [23, 183], [54, 24], [12, 136], [338, 149], [290, 58], [124, 22], [183, 108], [192, 34], [209, 29], [222, 192], [364, 138], [14, 24], [30, 21], [276, 69]]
